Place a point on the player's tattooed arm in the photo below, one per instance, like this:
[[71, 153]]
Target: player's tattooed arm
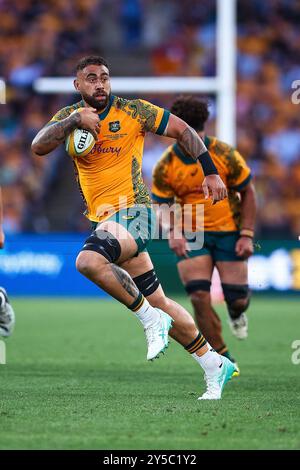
[[52, 135], [193, 145], [186, 136], [125, 280]]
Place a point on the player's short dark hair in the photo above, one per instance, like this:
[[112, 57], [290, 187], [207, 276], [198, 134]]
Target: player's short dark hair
[[91, 60], [194, 111]]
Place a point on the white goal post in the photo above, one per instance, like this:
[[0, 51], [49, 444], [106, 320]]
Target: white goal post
[[223, 85]]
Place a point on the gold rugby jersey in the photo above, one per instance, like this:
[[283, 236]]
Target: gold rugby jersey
[[178, 178], [110, 176]]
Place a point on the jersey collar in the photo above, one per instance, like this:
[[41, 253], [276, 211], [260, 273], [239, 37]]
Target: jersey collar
[[105, 112], [206, 141]]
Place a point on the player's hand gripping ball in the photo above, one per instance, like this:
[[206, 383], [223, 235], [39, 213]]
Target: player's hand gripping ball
[[79, 142]]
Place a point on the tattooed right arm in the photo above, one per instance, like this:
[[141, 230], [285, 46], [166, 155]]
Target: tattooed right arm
[[51, 136]]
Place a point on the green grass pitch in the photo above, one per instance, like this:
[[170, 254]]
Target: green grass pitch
[[76, 378]]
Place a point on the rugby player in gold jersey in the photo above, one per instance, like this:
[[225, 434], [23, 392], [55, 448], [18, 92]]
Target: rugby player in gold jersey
[[228, 227], [114, 256]]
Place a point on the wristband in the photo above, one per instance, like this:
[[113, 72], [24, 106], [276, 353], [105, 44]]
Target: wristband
[[207, 164], [247, 232]]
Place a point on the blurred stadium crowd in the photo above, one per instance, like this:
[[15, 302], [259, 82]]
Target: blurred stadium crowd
[[46, 39]]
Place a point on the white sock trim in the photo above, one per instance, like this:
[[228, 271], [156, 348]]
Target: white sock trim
[[209, 361], [146, 314]]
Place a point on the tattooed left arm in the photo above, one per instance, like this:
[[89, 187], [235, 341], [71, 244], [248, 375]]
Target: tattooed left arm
[[186, 136], [193, 145]]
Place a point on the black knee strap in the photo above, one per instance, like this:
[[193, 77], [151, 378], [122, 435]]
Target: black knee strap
[[147, 283], [105, 244], [196, 285], [233, 292]]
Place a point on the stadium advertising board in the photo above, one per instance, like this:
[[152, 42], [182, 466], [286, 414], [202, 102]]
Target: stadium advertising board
[[39, 265]]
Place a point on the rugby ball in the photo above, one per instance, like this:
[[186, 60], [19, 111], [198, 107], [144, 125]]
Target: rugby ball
[[79, 142]]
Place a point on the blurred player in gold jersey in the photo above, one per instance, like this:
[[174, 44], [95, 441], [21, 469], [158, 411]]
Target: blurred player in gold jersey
[[228, 225], [114, 256]]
